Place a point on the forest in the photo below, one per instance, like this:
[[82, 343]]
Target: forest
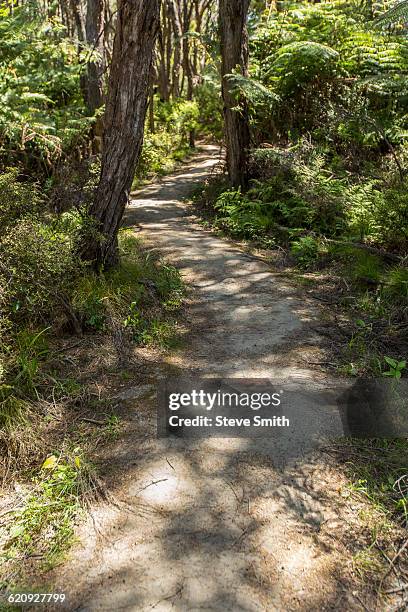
[[211, 188]]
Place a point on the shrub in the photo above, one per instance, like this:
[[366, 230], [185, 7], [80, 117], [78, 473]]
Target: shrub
[[37, 270], [365, 267], [363, 201], [240, 215], [396, 285], [133, 296], [390, 217], [18, 199], [306, 251]]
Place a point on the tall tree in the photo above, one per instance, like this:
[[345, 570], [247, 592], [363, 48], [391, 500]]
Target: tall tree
[[188, 70], [95, 25], [234, 55], [136, 31]]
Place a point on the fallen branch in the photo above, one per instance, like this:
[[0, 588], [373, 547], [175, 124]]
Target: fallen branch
[[93, 421]]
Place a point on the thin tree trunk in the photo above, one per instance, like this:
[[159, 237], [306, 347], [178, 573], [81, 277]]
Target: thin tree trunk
[[79, 21], [177, 38], [81, 36], [95, 24], [187, 15], [164, 45], [136, 30], [234, 55], [152, 79]]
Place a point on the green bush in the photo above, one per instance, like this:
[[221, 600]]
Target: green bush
[[306, 251], [396, 285], [18, 199], [170, 141], [365, 267], [391, 215], [37, 269], [242, 216]]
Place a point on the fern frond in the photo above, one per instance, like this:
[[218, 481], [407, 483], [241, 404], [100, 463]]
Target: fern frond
[[394, 14], [252, 90]]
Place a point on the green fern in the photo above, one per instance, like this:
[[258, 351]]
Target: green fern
[[398, 12], [254, 92]]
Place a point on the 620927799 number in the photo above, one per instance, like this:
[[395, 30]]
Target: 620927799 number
[[33, 598]]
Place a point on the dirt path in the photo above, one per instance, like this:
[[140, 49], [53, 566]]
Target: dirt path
[[219, 524]]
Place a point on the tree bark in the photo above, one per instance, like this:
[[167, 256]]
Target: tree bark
[[79, 22], [177, 39], [164, 55], [95, 25], [234, 55], [136, 31], [187, 15]]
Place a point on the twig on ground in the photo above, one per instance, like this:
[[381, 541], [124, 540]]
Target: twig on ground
[[395, 557], [151, 484], [93, 421], [178, 592], [170, 464]]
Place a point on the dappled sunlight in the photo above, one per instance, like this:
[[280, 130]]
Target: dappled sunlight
[[160, 485]]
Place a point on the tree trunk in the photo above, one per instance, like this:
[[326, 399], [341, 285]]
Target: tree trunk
[[177, 38], [95, 24], [136, 30], [79, 22], [151, 99], [163, 59], [234, 55], [187, 15]]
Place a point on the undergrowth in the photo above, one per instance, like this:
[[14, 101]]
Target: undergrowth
[[41, 522], [169, 142]]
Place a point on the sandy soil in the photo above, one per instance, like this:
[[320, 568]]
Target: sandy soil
[[219, 524]]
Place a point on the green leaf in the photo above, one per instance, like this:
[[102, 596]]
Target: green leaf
[[49, 463], [16, 531]]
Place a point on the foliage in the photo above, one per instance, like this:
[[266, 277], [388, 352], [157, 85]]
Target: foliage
[[324, 62], [306, 251], [241, 215], [397, 12], [42, 110], [208, 96], [396, 285], [18, 199], [170, 141], [395, 367], [38, 267], [301, 188], [44, 524]]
